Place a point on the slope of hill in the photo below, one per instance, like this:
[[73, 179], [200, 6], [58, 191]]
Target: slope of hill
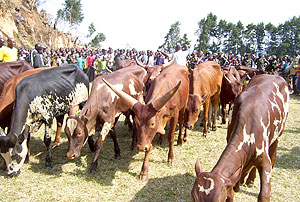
[[28, 26]]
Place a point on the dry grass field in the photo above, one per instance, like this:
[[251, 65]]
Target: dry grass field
[[117, 179]]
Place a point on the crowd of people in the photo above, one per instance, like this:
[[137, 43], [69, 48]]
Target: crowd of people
[[99, 61]]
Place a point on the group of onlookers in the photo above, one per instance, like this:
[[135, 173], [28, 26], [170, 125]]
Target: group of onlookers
[[98, 61]]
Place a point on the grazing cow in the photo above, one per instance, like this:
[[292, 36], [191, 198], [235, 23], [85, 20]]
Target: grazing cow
[[102, 108], [39, 98], [9, 69], [205, 89], [258, 119], [232, 86], [166, 101]]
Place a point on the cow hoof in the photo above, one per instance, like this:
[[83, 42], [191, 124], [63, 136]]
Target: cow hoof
[[204, 135], [48, 164], [143, 177], [117, 155], [214, 128], [185, 139], [55, 144], [180, 142], [249, 184]]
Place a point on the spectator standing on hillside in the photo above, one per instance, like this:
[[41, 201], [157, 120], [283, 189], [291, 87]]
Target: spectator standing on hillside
[[9, 53]]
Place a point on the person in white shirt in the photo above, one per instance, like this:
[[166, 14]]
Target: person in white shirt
[[179, 56]]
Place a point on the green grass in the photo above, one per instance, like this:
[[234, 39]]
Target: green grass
[[117, 179]]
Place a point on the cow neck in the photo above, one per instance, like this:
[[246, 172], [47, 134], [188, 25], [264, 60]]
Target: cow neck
[[231, 162]]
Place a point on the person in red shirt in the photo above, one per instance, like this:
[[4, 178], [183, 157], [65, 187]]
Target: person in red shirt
[[90, 66]]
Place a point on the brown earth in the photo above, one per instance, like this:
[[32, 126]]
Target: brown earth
[[28, 26]]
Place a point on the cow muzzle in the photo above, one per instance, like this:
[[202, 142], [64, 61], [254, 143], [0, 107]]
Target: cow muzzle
[[189, 126], [72, 155], [143, 148]]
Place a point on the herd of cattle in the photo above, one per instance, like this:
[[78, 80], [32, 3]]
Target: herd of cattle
[[153, 96]]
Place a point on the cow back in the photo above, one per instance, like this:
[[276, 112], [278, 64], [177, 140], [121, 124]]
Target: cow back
[[9, 69], [168, 79], [206, 79]]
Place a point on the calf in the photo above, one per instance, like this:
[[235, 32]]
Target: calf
[[165, 102], [258, 119], [39, 98], [101, 109], [206, 84]]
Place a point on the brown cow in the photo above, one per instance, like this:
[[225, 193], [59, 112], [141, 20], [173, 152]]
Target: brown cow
[[250, 71], [165, 102], [205, 88], [258, 119], [102, 107], [9, 69], [232, 86]]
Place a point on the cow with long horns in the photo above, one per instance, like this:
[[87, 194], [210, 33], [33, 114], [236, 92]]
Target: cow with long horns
[[165, 102]]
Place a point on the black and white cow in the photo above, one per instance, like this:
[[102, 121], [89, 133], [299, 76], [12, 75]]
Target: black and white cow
[[39, 99]]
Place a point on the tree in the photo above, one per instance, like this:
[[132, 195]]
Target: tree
[[172, 38], [95, 42], [185, 41], [71, 13], [207, 28], [91, 30]]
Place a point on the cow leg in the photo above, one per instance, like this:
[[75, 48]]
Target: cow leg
[[215, 109], [171, 133], [47, 142], [230, 194], [127, 120], [104, 132], [113, 135], [145, 167], [59, 121], [223, 113], [134, 137], [205, 116], [180, 135], [251, 177], [28, 147], [91, 143], [264, 170]]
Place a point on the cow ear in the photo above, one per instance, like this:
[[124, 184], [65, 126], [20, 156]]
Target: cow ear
[[198, 167], [227, 182], [204, 98], [84, 119]]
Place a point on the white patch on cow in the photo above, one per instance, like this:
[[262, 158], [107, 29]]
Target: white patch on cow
[[113, 95], [210, 188], [131, 88], [48, 106], [12, 165], [105, 130], [269, 176], [247, 139], [117, 114], [72, 123], [79, 94]]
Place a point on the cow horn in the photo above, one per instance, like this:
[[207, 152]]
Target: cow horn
[[160, 102], [234, 77], [227, 78], [130, 101], [109, 71], [140, 63], [170, 62]]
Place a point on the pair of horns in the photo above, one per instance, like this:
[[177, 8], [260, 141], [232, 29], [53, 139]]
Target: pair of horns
[[130, 101]]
